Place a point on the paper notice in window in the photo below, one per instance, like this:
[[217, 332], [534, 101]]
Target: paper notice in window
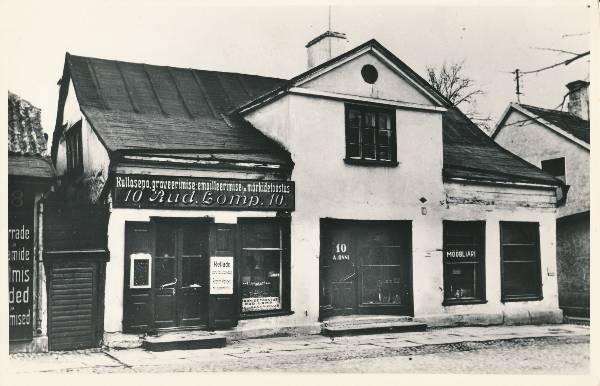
[[260, 304], [221, 275]]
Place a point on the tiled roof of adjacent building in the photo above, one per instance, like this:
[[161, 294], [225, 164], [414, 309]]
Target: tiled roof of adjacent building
[[566, 121], [26, 140], [161, 109], [139, 107]]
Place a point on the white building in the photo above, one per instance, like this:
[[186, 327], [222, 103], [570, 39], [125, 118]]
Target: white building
[[559, 143], [352, 188]]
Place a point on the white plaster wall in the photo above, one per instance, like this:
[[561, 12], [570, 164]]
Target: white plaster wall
[[274, 120], [535, 143], [347, 79]]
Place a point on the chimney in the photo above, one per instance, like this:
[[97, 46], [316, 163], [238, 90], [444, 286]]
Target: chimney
[[579, 103], [326, 46]]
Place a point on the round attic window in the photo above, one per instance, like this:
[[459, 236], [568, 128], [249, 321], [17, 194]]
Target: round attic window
[[369, 73]]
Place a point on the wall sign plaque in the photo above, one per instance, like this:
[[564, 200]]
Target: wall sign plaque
[[21, 238], [221, 275], [174, 192]]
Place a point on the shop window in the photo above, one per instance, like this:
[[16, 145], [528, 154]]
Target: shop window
[[464, 262], [370, 136], [264, 266], [74, 149], [520, 253], [556, 167], [141, 270]]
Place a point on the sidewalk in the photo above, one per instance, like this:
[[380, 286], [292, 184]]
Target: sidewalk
[[280, 348]]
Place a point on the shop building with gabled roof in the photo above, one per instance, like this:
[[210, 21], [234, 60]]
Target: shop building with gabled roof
[[253, 205], [559, 142]]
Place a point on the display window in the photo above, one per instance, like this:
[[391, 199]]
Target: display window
[[264, 266], [520, 252], [464, 262]]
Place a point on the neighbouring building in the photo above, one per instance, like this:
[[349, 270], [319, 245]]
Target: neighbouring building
[[259, 205], [30, 176], [559, 143]]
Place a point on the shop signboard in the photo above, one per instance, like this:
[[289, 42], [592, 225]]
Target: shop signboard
[[221, 275], [460, 254], [20, 263], [174, 192]]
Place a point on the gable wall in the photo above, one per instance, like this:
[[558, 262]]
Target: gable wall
[[347, 79], [534, 143]]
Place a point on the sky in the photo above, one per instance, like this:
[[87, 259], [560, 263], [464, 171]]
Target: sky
[[270, 40]]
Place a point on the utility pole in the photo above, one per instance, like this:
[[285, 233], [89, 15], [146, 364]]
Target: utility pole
[[518, 79]]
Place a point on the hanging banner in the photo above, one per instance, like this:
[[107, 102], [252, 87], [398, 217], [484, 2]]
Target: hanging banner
[[173, 192], [20, 263]]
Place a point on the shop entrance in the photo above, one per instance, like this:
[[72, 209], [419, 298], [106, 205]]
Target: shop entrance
[[166, 273], [365, 268], [181, 274]]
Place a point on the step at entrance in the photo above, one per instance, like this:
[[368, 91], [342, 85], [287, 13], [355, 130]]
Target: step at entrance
[[184, 340], [359, 325]]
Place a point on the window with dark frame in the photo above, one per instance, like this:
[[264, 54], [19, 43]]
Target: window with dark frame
[[370, 135], [520, 255], [556, 167], [74, 149], [264, 266], [464, 262]]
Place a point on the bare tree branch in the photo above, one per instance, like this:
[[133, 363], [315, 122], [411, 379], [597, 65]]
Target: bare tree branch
[[565, 62], [554, 50], [449, 80]]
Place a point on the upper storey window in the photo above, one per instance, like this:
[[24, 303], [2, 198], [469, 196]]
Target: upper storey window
[[370, 135], [74, 149]]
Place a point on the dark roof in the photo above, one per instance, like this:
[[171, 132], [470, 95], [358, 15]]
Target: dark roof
[[25, 133], [26, 140], [468, 152], [30, 166], [471, 154], [139, 107], [132, 106], [570, 123]]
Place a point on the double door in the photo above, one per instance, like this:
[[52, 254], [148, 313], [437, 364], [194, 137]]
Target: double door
[[365, 267], [181, 274]]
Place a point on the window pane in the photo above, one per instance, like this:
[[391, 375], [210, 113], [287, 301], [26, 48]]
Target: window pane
[[382, 285], [353, 150], [519, 233], [461, 281], [261, 235], [141, 272], [383, 138], [165, 271], [260, 275], [385, 121], [191, 272], [354, 118], [193, 242], [368, 136], [370, 120], [369, 151], [519, 252], [383, 153], [165, 241], [521, 279], [353, 136]]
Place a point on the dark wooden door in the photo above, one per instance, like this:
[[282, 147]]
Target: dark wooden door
[[73, 304], [181, 274]]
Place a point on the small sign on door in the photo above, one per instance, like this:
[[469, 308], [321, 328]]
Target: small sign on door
[[221, 275]]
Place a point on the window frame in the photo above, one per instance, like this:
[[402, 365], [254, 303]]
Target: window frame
[[480, 274], [564, 167], [132, 259], [285, 275], [373, 109], [504, 297], [73, 138]]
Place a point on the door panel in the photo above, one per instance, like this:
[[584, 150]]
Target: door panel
[[165, 299], [193, 285]]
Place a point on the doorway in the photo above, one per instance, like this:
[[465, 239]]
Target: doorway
[[365, 268], [167, 278]]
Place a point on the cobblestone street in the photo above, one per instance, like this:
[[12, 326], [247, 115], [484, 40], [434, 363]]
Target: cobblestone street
[[552, 349]]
